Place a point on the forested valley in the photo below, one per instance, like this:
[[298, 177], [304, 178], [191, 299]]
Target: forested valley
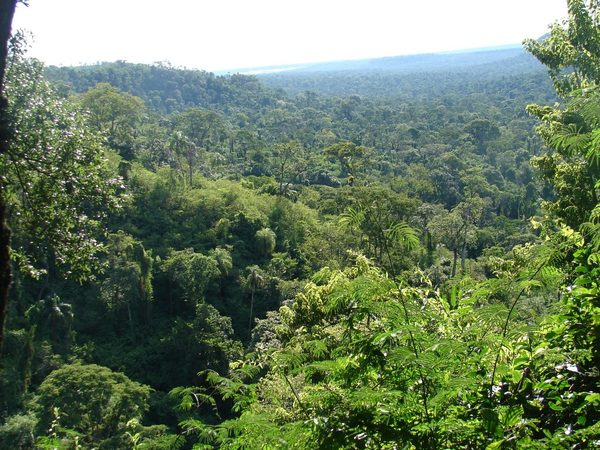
[[340, 258]]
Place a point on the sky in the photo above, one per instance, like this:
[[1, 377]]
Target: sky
[[221, 35]]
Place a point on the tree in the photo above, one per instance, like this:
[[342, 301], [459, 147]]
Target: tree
[[201, 130], [18, 432], [182, 146], [457, 228], [361, 361], [482, 131], [425, 214], [52, 316], [290, 162], [93, 400], [571, 51], [265, 239], [61, 188], [56, 180], [255, 279], [350, 156], [7, 11], [572, 54], [377, 218], [152, 147], [115, 113], [128, 281], [566, 376], [194, 273], [223, 259]]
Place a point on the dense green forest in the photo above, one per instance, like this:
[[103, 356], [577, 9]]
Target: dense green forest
[[401, 254]]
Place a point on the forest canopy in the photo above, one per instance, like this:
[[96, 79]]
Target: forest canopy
[[333, 259]]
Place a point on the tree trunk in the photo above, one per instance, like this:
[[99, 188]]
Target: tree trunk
[[29, 354], [7, 11], [129, 316], [463, 257], [170, 288], [190, 160], [5, 268], [430, 249], [251, 314], [455, 251]]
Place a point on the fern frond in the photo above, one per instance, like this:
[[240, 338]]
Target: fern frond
[[193, 426], [324, 367], [352, 218], [593, 151], [404, 234], [571, 139], [289, 360], [316, 348], [189, 397], [589, 109]]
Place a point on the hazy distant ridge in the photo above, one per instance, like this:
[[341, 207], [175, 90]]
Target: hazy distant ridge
[[420, 75], [169, 89], [427, 62]]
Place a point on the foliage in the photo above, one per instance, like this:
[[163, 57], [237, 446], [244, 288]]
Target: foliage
[[367, 363], [94, 401], [290, 161], [116, 114], [571, 50], [128, 282], [265, 241], [18, 432], [364, 361], [168, 89], [197, 131], [60, 185], [377, 217], [562, 391], [193, 272], [243, 204], [52, 318], [571, 53]]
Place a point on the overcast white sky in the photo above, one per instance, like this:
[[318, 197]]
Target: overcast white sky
[[230, 34]]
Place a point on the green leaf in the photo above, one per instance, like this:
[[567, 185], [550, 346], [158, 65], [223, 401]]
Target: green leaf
[[495, 445], [555, 407]]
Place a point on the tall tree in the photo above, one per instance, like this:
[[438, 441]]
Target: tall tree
[[290, 162], [56, 182], [194, 273], [377, 218], [253, 281], [128, 282], [482, 131], [115, 113], [457, 229], [96, 402], [352, 157], [200, 130], [572, 54]]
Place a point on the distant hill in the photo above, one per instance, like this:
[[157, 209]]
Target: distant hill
[[408, 63], [412, 75], [510, 56], [168, 89]]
